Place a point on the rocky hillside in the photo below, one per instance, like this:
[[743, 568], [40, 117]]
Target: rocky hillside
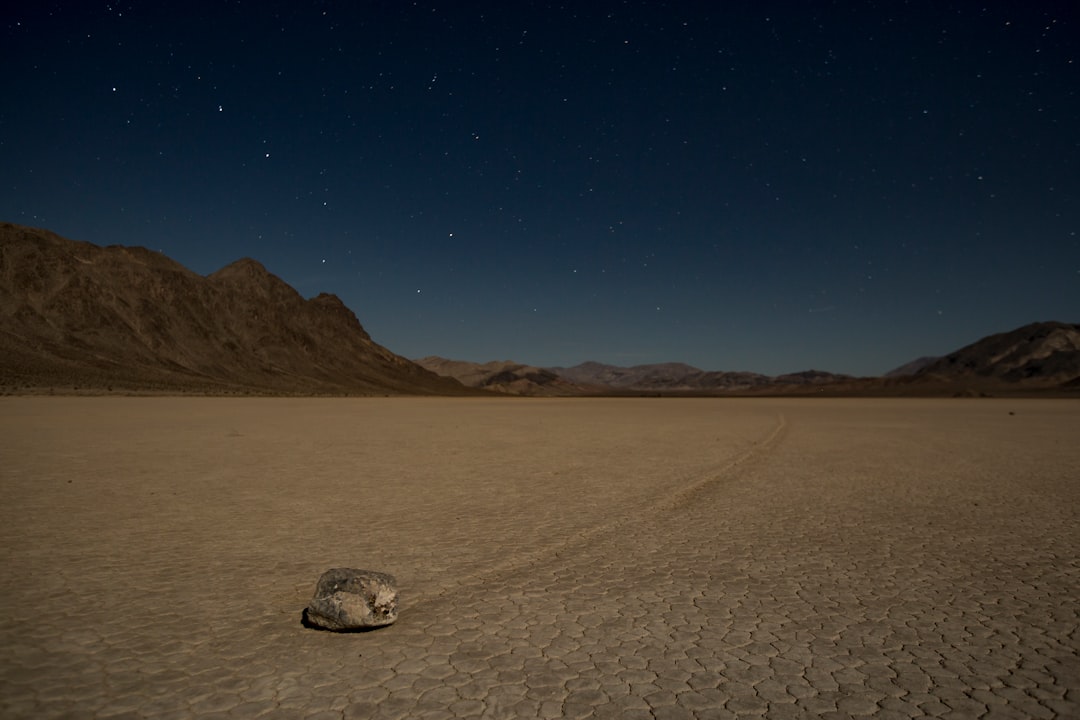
[[1040, 354], [74, 315]]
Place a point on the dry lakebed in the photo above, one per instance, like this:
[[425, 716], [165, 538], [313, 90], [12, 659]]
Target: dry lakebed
[[609, 558]]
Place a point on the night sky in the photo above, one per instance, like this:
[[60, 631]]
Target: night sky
[[736, 185]]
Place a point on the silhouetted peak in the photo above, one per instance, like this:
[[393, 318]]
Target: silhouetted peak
[[244, 267]]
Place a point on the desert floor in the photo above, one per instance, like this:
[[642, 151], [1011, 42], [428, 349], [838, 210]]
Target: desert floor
[[617, 558]]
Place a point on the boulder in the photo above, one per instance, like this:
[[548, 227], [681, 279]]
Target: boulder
[[348, 599]]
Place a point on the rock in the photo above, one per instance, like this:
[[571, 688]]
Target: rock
[[348, 599]]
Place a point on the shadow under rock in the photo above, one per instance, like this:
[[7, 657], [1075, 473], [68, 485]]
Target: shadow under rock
[[305, 620]]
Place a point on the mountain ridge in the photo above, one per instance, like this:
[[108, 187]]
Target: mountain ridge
[[1039, 357], [1045, 352], [80, 316], [75, 314]]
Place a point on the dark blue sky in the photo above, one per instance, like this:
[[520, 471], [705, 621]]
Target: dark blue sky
[[740, 186]]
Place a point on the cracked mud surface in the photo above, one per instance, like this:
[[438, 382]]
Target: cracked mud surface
[[556, 558]]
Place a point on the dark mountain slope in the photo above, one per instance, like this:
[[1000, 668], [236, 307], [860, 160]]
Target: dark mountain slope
[[73, 314], [1039, 354]]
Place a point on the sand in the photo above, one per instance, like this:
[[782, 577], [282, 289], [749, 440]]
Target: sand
[[557, 558]]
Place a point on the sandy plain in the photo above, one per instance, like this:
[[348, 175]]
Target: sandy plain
[[630, 558]]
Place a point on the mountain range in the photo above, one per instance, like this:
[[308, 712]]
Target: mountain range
[[1040, 358], [680, 377], [79, 317]]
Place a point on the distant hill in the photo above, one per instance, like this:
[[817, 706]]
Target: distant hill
[[1041, 354], [639, 377], [74, 315], [1036, 359], [682, 378], [505, 376]]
